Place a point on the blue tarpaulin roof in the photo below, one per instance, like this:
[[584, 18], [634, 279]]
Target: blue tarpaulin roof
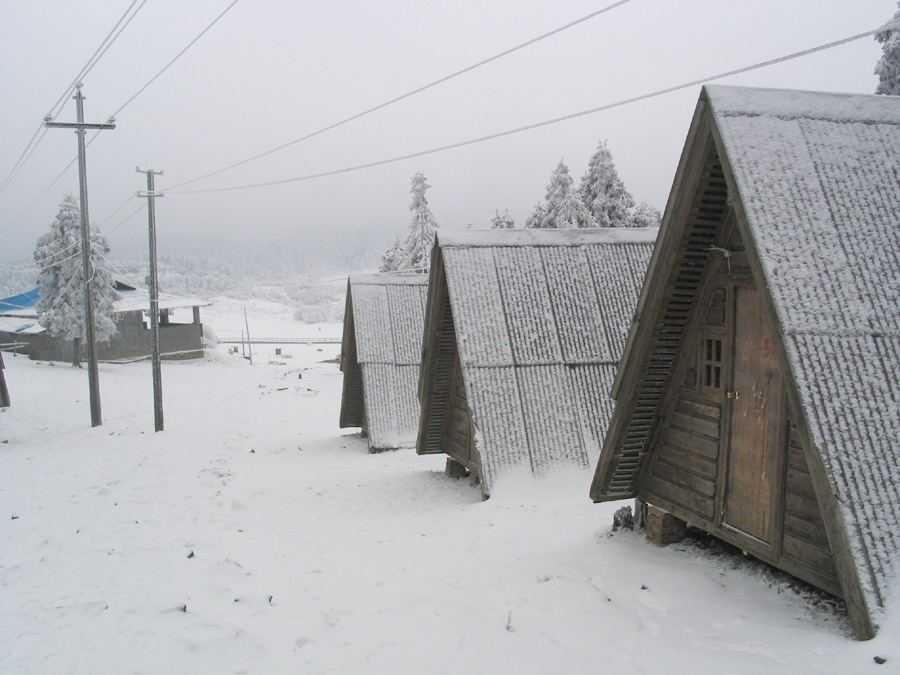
[[19, 302]]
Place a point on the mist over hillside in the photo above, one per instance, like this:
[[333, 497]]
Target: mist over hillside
[[302, 273]]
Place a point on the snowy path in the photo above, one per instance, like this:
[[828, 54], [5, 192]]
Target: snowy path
[[255, 536]]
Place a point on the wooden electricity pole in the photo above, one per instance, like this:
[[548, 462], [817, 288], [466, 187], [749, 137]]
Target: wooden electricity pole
[[151, 195], [249, 344], [80, 130]]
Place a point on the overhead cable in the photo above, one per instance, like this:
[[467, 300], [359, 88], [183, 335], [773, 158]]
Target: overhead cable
[[537, 125], [57, 107], [101, 50], [177, 56], [127, 218], [419, 90], [122, 107]]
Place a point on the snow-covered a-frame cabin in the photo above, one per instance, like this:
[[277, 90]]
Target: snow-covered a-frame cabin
[[757, 395], [523, 331], [380, 356]]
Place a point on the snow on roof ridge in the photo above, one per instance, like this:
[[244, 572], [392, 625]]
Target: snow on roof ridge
[[388, 279], [574, 237], [791, 103]]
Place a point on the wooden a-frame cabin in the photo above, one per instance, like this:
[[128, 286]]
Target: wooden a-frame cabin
[[756, 397], [523, 331], [380, 355]]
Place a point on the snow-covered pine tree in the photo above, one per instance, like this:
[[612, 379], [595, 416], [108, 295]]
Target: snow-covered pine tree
[[391, 257], [645, 215], [573, 214], [504, 222], [61, 279], [416, 252], [603, 192], [888, 66], [536, 220], [564, 208]]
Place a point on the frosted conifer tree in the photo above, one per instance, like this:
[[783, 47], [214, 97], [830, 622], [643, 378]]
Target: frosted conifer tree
[[603, 192], [888, 66], [564, 208], [645, 216], [61, 279], [504, 222], [416, 252], [391, 257], [536, 219]]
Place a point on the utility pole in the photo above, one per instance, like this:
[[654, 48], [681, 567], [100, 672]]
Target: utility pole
[[151, 195], [249, 344], [80, 130]]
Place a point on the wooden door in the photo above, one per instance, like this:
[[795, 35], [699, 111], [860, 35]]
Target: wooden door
[[754, 405]]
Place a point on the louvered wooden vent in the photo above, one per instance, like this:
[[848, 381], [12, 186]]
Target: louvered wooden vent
[[703, 227], [443, 368], [353, 398]]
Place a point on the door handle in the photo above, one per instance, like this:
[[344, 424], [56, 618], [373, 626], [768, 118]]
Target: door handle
[[733, 395]]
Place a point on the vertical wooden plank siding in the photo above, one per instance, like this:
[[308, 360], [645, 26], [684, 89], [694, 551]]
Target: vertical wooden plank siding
[[755, 414], [805, 539], [458, 434]]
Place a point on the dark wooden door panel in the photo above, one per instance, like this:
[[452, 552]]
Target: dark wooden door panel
[[755, 403]]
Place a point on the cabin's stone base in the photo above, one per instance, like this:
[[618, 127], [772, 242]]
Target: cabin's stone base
[[663, 528], [455, 470]]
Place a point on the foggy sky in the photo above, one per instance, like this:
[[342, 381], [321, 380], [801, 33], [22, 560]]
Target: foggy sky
[[271, 71]]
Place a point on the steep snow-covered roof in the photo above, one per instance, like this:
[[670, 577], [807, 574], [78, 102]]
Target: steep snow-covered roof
[[540, 318], [818, 177], [539, 237], [810, 105], [387, 319]]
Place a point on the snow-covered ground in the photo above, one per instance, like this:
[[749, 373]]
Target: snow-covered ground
[[255, 536]]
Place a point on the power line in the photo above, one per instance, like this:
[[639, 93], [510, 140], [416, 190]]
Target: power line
[[55, 109], [177, 56], [127, 218], [121, 206], [537, 125], [52, 183], [101, 50], [122, 107], [408, 94]]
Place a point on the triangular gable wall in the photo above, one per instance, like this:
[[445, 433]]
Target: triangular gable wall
[[352, 403], [4, 392]]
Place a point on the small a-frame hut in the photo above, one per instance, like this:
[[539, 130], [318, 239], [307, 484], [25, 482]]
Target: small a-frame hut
[[380, 355], [523, 332], [756, 398]]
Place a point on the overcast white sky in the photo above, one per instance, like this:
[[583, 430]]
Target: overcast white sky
[[271, 71]]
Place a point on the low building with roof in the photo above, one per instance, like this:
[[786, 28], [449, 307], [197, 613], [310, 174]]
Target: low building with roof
[[178, 340], [756, 398], [523, 332], [380, 355]]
